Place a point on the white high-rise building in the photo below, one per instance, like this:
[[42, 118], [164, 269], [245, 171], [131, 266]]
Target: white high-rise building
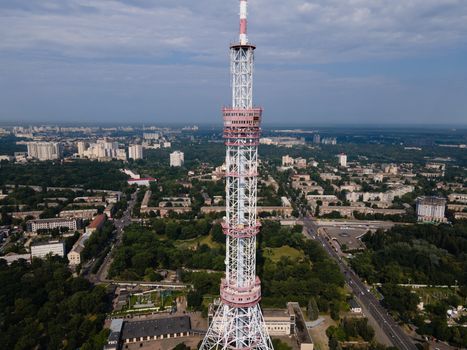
[[342, 160], [103, 149], [431, 209], [135, 152], [177, 159], [82, 146], [44, 150], [121, 154]]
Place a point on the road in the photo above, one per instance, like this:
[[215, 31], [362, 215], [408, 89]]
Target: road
[[120, 225], [387, 324]]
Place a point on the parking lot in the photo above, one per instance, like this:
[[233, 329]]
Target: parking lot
[[347, 237]]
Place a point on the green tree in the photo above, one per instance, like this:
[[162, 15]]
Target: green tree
[[312, 309]]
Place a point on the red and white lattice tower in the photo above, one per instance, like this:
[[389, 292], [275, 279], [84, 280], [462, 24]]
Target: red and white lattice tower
[[238, 322]]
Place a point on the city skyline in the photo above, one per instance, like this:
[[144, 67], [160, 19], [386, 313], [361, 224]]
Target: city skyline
[[334, 62]]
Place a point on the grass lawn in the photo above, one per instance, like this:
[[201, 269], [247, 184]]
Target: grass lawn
[[191, 243], [275, 254]]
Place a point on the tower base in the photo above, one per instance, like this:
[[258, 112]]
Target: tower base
[[237, 328]]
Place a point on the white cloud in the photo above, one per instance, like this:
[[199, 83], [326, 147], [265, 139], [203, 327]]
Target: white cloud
[[320, 30], [160, 52]]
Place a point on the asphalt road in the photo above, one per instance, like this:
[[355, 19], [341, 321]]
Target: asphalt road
[[387, 324], [120, 225]]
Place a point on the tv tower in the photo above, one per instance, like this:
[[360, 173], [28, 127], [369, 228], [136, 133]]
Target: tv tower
[[238, 322]]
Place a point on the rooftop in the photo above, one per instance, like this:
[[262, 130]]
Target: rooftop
[[142, 179], [156, 327], [431, 200], [97, 222], [37, 244]]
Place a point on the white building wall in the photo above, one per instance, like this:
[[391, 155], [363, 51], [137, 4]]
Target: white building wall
[[135, 152], [177, 159], [41, 251]]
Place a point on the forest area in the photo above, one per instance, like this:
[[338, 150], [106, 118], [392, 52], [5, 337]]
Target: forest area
[[44, 307], [421, 254]]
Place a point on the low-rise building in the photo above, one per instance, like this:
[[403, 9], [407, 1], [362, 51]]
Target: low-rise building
[[156, 329], [26, 214], [348, 211], [10, 258], [460, 216], [279, 211], [74, 256], [113, 341], [388, 196], [42, 249], [391, 169], [146, 181], [300, 163], [96, 224], [279, 322], [329, 176], [458, 197], [49, 224], [85, 214]]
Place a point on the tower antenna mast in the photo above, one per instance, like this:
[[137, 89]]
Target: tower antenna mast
[[238, 322]]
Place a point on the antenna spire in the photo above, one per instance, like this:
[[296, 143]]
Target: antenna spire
[[243, 22]]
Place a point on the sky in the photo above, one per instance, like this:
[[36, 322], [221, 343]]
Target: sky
[[158, 61]]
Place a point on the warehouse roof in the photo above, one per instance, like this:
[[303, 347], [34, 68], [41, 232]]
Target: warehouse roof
[[156, 327]]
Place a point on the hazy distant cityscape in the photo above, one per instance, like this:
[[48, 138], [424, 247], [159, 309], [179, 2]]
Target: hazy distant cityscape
[[91, 197]]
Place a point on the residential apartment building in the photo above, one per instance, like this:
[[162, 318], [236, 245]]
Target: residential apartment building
[[177, 159], [342, 158], [431, 209], [49, 224], [44, 150], [135, 152]]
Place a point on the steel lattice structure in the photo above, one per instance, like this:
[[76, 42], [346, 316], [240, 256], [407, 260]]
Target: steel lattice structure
[[238, 322]]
